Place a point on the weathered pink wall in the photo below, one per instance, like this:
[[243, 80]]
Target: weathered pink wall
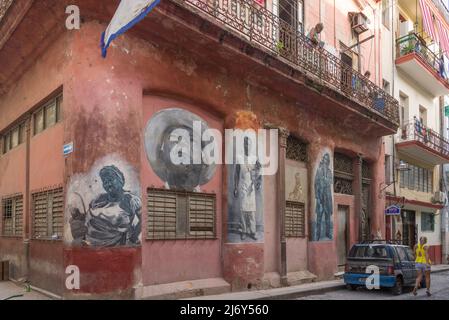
[[102, 97], [179, 260], [46, 163]]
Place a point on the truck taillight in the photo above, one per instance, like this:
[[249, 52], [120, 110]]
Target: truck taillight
[[390, 270]]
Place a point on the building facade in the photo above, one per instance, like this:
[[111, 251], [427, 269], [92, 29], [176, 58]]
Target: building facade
[[415, 72], [85, 179]]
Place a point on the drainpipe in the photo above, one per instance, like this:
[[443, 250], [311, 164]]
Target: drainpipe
[[358, 195], [27, 217], [283, 135], [443, 188]]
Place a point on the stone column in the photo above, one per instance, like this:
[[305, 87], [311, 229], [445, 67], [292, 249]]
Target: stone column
[[283, 135], [358, 185]]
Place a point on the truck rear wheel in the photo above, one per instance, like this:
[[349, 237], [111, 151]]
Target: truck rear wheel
[[398, 287]]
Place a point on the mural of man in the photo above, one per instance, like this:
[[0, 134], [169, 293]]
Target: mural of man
[[160, 141], [113, 218], [323, 196], [247, 181]]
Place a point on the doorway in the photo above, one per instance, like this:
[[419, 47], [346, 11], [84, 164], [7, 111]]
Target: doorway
[[342, 235], [408, 228]]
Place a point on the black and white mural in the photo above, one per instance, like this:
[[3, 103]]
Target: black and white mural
[[174, 129], [245, 199], [322, 225], [104, 205]]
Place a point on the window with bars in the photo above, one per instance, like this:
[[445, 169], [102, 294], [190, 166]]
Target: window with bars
[[48, 115], [296, 149], [180, 215], [48, 209], [417, 178], [13, 138], [12, 217], [295, 219], [343, 174]]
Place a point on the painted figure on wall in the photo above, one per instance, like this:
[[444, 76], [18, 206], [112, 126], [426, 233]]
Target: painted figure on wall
[[297, 193], [324, 203], [112, 216], [245, 223], [161, 137], [247, 181]]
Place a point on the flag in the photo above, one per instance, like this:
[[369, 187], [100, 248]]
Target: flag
[[127, 15], [428, 20]]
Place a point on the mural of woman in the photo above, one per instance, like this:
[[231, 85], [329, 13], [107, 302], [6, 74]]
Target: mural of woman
[[112, 218]]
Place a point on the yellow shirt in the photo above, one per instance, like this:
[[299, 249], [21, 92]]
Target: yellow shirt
[[421, 254]]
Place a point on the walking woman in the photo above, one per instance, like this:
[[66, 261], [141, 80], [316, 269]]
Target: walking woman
[[422, 263]]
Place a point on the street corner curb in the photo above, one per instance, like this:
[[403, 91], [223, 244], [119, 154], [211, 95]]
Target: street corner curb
[[304, 293]]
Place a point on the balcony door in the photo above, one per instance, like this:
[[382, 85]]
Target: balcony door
[[291, 21]]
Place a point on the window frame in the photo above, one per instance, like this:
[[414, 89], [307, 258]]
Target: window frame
[[181, 198], [432, 223], [50, 214], [55, 101], [17, 227]]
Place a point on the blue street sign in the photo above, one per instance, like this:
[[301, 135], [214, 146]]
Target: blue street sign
[[68, 148], [393, 211]]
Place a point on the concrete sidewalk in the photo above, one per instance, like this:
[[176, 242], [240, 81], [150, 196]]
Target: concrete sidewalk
[[293, 292], [11, 291]]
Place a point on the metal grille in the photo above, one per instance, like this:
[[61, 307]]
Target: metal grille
[[343, 164], [343, 186], [48, 214], [366, 170], [260, 26], [180, 215], [343, 174], [295, 219], [12, 216], [296, 149]]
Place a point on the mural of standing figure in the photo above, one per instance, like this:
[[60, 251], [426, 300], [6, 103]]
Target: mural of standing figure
[[323, 196], [247, 181], [112, 218]]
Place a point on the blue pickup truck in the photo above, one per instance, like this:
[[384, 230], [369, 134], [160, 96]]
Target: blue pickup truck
[[395, 262]]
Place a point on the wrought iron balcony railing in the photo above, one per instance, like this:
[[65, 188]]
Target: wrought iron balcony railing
[[412, 43], [260, 26], [416, 131]]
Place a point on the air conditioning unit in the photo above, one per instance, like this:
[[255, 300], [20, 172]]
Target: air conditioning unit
[[405, 28], [438, 197], [359, 22]]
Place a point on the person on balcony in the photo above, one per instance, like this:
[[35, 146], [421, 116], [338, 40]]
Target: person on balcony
[[314, 35]]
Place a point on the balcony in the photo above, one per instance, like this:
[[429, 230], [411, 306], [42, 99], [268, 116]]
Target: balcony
[[262, 29], [236, 35], [415, 59], [423, 144]]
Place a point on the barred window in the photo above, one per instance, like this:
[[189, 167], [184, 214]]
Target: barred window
[[48, 208], [296, 149], [12, 217], [343, 174], [180, 215], [417, 178], [295, 219]]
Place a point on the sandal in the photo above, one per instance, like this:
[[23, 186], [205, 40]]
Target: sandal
[[428, 293], [414, 291]]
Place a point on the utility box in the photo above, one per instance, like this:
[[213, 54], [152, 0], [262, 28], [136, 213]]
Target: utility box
[[4, 270]]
